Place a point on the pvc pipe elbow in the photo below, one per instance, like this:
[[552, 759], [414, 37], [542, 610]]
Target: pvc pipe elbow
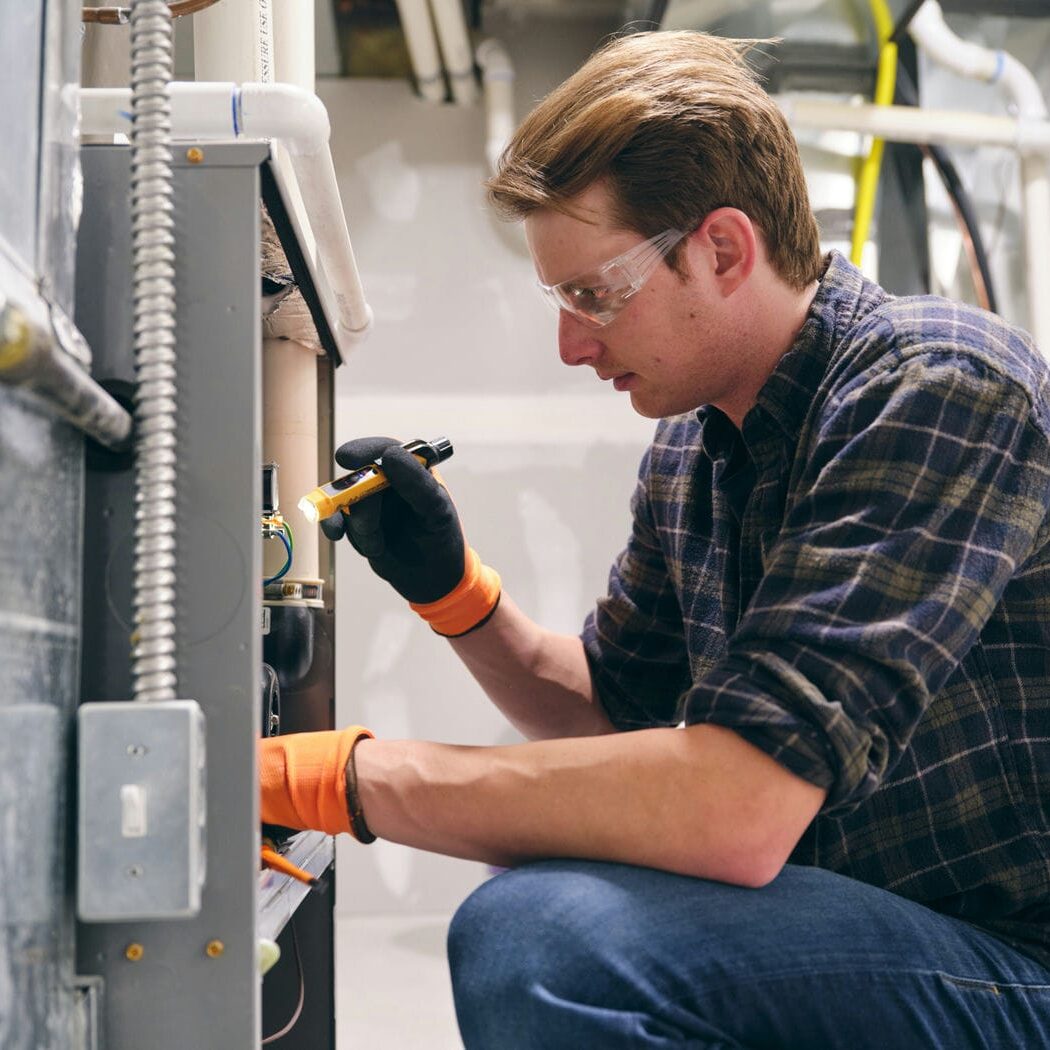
[[353, 336], [493, 60], [1023, 88], [296, 117], [932, 34]]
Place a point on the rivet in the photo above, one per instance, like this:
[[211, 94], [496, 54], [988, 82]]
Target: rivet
[[134, 951], [195, 155], [213, 949]]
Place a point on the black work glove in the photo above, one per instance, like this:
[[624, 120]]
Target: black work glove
[[410, 532]]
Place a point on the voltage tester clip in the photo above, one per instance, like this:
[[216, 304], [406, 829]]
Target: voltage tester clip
[[359, 484]]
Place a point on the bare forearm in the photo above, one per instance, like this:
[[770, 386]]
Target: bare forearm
[[698, 801], [538, 679]]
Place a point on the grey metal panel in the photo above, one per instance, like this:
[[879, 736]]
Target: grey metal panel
[[21, 60], [177, 996]]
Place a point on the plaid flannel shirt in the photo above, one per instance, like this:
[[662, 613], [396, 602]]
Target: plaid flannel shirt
[[858, 583]]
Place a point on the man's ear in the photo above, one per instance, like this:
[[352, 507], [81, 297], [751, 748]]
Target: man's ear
[[730, 238]]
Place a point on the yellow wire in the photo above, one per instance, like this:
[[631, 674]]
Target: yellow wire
[[868, 175]]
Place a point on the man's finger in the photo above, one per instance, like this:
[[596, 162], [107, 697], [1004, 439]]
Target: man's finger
[[352, 455]]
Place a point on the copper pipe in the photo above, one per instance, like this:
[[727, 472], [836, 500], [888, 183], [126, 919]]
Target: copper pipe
[[118, 16]]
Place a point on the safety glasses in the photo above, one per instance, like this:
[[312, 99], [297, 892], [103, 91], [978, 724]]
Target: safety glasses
[[596, 297]]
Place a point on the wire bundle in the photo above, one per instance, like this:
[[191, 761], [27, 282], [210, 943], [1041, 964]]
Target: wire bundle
[[277, 528]]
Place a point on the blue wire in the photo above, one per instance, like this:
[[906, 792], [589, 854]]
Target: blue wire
[[288, 563]]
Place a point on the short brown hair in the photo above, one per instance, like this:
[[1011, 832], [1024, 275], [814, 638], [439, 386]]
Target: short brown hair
[[678, 125]]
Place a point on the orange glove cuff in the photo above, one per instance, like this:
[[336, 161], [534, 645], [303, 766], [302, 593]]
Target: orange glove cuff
[[302, 779], [472, 601]]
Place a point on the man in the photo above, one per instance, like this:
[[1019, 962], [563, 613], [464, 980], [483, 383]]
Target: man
[[838, 579]]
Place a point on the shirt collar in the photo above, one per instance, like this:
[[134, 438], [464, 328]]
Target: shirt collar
[[842, 296]]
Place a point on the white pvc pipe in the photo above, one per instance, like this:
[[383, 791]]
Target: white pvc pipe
[[422, 48], [1035, 196], [290, 431], [934, 37], [931, 33], [456, 49], [299, 121], [234, 41], [290, 440], [497, 78], [293, 43], [912, 124]]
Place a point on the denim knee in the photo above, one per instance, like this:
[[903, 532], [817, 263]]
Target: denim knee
[[568, 954], [537, 961], [494, 955]]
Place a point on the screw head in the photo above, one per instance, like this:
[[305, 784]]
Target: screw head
[[214, 948], [134, 951], [195, 155]]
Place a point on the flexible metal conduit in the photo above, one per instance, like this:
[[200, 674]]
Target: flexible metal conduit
[[153, 248]]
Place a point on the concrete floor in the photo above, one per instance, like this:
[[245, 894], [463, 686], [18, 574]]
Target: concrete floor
[[392, 984]]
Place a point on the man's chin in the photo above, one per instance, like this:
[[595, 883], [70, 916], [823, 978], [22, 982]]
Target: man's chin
[[651, 408]]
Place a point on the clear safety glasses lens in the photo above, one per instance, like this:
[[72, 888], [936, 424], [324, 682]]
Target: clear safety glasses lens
[[596, 298]]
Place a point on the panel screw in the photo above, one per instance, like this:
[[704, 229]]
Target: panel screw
[[195, 155], [134, 951], [213, 949]]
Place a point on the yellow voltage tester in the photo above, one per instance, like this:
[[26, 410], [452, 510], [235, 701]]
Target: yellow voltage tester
[[324, 501]]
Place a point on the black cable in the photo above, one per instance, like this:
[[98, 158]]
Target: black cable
[[956, 190], [905, 20], [271, 701], [281, 1033]]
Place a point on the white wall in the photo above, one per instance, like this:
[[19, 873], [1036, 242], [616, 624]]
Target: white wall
[[463, 345]]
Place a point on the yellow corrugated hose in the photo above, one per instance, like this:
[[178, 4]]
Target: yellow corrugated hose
[[868, 173]]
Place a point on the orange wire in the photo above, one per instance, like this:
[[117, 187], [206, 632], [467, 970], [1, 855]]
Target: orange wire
[[273, 859]]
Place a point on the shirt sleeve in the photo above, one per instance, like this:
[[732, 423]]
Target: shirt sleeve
[[634, 639], [925, 493]]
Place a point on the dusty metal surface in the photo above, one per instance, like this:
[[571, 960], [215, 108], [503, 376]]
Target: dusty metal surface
[[41, 476]]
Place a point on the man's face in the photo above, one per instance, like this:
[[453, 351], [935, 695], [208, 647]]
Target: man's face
[[669, 345]]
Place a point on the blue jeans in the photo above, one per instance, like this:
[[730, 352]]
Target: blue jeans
[[594, 956]]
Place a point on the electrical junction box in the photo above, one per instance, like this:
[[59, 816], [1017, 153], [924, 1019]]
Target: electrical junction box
[[141, 847]]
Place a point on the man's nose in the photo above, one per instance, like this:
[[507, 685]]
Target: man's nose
[[577, 344]]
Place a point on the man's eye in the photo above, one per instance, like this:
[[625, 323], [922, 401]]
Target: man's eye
[[590, 296]]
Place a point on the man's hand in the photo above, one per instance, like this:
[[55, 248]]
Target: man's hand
[[302, 780], [411, 535]]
